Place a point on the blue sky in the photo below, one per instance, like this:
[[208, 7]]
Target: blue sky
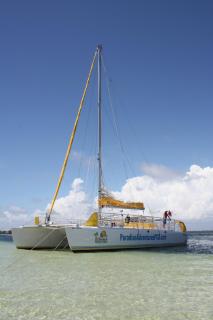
[[159, 58]]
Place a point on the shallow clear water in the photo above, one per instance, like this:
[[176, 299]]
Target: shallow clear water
[[143, 284]]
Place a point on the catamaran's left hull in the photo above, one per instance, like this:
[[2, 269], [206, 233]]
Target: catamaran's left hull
[[98, 238], [40, 237]]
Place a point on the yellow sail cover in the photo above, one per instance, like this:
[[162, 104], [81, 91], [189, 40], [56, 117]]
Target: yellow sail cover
[[92, 221], [107, 201]]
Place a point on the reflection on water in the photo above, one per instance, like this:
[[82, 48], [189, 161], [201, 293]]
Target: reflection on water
[[173, 283]]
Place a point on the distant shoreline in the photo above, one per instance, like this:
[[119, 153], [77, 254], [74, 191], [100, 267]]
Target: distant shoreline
[[5, 232], [199, 231]]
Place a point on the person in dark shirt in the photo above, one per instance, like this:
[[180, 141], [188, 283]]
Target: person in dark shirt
[[165, 215], [127, 219]]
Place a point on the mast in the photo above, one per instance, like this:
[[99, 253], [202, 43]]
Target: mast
[[99, 50]]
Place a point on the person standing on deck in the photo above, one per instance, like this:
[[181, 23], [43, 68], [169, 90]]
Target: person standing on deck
[[166, 215]]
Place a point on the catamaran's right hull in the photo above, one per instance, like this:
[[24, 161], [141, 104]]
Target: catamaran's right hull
[[39, 237], [98, 238]]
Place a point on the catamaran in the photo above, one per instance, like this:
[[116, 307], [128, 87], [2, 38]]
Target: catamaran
[[109, 230], [105, 229]]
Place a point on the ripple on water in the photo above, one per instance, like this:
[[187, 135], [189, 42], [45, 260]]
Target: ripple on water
[[174, 283]]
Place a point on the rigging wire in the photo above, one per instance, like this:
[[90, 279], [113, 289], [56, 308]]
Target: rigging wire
[[20, 258], [130, 123], [125, 159], [131, 126], [90, 103], [94, 172], [70, 141], [118, 134], [114, 131], [91, 167], [115, 124], [90, 162]]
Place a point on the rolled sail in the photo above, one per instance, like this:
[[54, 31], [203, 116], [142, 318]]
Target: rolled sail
[[111, 202]]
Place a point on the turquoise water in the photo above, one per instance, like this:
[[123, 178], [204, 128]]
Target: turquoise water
[[151, 284]]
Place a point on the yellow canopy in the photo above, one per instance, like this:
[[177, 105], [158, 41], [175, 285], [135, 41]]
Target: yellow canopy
[[107, 201]]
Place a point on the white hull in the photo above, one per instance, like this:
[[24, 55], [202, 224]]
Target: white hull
[[89, 238], [40, 237]]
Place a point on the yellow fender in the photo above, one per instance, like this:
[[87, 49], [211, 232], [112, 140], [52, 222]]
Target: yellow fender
[[37, 220], [182, 225]]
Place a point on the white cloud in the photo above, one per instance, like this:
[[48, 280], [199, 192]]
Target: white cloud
[[189, 196], [75, 205], [13, 216], [158, 171]]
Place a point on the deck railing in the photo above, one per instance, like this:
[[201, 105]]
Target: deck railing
[[138, 222], [112, 219]]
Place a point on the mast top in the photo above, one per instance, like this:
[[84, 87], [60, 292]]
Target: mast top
[[99, 47]]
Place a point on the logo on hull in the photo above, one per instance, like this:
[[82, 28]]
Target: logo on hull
[[101, 238]]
